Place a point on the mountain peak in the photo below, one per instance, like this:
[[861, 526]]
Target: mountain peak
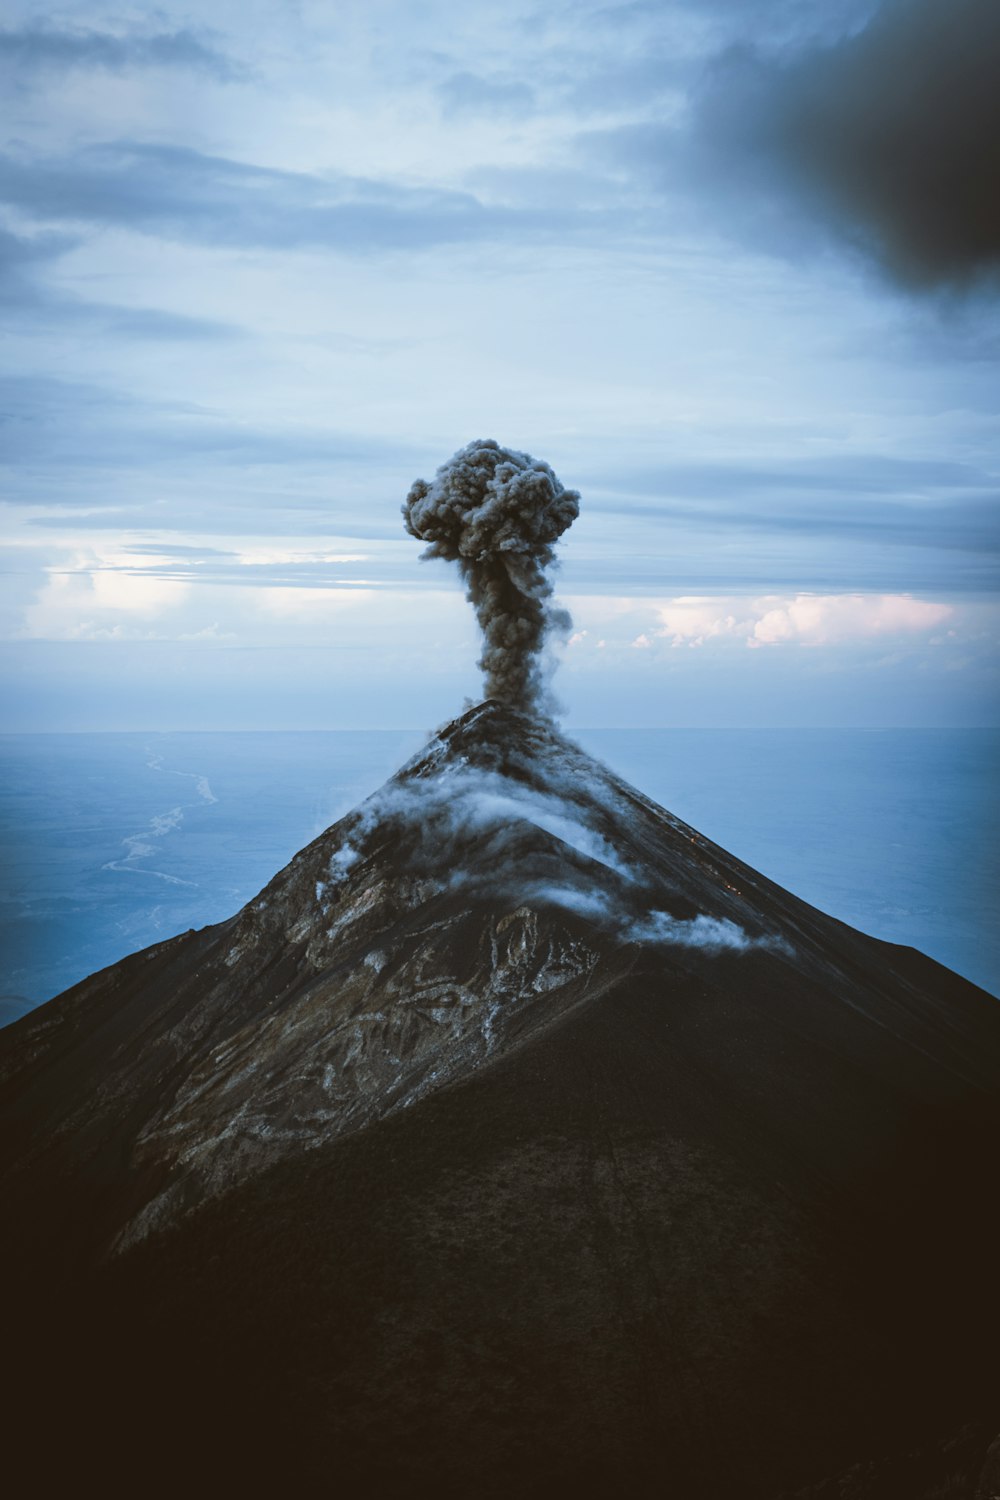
[[510, 1014], [495, 736]]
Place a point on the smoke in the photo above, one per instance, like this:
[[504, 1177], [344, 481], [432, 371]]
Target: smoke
[[498, 513]]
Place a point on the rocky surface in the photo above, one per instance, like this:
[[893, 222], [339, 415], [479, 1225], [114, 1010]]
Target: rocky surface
[[515, 1135]]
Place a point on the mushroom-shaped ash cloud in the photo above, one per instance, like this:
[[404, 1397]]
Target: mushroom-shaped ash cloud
[[498, 513]]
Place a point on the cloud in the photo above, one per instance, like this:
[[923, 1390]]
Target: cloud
[[154, 323], [815, 621], [100, 605], [618, 84], [471, 93], [18, 250], [51, 48], [309, 604], [858, 497], [53, 423], [888, 139], [693, 621], [179, 193], [805, 619], [27, 301], [872, 125]]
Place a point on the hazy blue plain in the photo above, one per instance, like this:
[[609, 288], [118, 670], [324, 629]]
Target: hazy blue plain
[[115, 841]]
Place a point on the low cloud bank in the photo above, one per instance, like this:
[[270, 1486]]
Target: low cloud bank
[[803, 619]]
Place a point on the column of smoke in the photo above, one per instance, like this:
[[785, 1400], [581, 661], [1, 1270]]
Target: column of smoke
[[498, 513]]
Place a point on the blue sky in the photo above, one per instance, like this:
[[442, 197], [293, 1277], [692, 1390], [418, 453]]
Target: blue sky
[[732, 269]]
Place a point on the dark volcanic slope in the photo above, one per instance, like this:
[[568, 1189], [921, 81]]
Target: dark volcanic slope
[[515, 1137]]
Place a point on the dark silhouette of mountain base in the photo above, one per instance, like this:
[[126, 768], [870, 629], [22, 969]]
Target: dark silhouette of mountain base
[[515, 1140]]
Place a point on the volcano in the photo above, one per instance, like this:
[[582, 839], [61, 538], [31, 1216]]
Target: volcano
[[515, 1138]]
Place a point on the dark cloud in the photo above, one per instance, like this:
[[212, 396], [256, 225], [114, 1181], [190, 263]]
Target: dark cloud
[[179, 193], [37, 48], [888, 138]]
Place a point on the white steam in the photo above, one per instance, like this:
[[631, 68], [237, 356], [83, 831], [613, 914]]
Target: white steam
[[429, 821], [654, 928], [460, 802], [712, 934]]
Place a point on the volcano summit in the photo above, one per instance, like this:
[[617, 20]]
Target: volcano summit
[[515, 1139]]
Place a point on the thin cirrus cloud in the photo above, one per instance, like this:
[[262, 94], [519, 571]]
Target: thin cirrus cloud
[[53, 422], [29, 303], [919, 522], [471, 93], [40, 49], [931, 501], [176, 192]]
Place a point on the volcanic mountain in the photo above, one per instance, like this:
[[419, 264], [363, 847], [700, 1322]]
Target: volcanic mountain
[[515, 1138]]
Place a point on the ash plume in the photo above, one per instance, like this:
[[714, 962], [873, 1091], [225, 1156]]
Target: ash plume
[[498, 513]]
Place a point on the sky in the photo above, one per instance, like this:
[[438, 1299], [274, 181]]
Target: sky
[[732, 269]]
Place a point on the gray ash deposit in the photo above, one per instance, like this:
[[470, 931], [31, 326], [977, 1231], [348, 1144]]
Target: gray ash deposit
[[515, 1137]]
